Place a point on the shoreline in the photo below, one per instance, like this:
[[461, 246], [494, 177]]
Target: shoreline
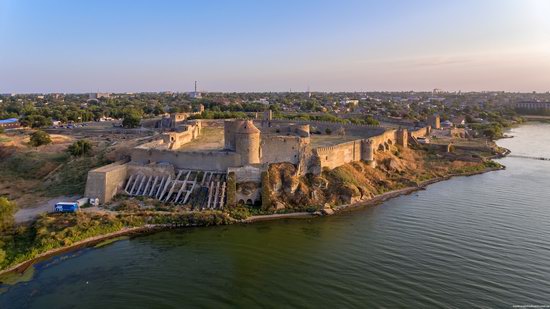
[[23, 266], [375, 200]]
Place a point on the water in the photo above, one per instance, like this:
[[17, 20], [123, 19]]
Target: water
[[471, 241]]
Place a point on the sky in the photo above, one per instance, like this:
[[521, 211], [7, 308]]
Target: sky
[[274, 45]]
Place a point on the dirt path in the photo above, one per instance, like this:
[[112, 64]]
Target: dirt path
[[29, 214]]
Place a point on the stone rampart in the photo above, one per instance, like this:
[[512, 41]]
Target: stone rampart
[[337, 155], [194, 160], [420, 132], [176, 139], [320, 127], [277, 148], [105, 182]]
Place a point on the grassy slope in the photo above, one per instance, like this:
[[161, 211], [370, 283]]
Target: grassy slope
[[29, 174]]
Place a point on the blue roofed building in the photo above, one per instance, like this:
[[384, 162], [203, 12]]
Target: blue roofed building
[[10, 123]]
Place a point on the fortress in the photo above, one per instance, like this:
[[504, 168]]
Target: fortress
[[196, 161]]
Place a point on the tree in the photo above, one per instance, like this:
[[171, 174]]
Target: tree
[[266, 191], [7, 210], [132, 119], [231, 189], [371, 121], [80, 148], [39, 138]]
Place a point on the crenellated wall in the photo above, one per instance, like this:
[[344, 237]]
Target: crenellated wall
[[302, 130], [337, 155], [383, 141], [321, 126]]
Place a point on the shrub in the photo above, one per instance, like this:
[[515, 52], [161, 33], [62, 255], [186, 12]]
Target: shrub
[[240, 212], [39, 138], [231, 189], [80, 148], [7, 210], [266, 192]]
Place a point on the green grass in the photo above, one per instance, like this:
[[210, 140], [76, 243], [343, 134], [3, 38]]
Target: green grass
[[30, 165], [70, 179]]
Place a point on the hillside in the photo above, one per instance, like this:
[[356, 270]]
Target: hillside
[[359, 181]]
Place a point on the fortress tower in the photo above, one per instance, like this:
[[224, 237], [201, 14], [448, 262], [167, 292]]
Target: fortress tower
[[402, 136], [367, 152], [434, 122], [247, 142]]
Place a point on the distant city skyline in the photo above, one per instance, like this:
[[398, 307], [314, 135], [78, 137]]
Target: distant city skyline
[[255, 46]]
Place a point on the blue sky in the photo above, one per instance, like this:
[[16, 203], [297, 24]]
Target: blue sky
[[247, 45]]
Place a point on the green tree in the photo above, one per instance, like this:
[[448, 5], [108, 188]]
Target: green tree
[[39, 138], [35, 121], [266, 192], [7, 210], [80, 148], [132, 119], [231, 189]]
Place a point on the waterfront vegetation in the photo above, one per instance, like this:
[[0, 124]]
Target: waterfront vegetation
[[54, 231]]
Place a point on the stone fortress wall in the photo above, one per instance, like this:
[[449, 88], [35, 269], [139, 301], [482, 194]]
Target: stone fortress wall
[[420, 132], [106, 181], [194, 160], [249, 147], [360, 149], [187, 133]]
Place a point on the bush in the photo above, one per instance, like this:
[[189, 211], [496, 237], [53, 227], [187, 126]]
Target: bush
[[240, 212], [80, 148], [39, 138], [231, 189], [7, 210], [266, 192]]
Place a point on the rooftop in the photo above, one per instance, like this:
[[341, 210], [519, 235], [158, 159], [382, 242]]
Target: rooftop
[[9, 120]]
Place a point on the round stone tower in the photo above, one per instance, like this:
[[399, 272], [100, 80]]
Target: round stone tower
[[247, 142]]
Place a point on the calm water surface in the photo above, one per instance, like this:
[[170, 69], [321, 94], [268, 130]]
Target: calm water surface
[[480, 241]]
